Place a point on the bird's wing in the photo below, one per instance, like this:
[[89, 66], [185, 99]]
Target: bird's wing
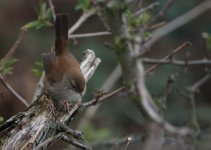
[[48, 62]]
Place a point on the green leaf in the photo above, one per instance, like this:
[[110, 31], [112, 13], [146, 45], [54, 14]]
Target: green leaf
[[40, 25], [39, 64], [83, 5], [49, 13], [138, 20], [43, 8], [145, 16], [1, 119], [38, 69], [44, 18], [128, 14], [146, 34], [32, 24], [8, 67]]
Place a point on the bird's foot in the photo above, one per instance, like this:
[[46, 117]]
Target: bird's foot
[[51, 105], [67, 106]]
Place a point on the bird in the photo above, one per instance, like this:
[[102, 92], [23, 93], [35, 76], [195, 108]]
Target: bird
[[63, 81]]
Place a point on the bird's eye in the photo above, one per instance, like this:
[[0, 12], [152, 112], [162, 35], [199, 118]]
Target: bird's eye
[[74, 86]]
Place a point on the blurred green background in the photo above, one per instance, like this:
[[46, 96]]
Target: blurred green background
[[117, 117]]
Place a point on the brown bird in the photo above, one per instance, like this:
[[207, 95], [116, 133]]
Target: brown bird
[[63, 81]]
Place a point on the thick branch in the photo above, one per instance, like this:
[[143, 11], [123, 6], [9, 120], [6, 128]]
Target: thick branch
[[150, 107], [36, 124]]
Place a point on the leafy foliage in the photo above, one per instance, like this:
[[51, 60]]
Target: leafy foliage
[[44, 18], [83, 5], [7, 69], [38, 69], [136, 21]]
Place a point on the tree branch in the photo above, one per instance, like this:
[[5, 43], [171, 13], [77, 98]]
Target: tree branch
[[178, 22], [150, 107], [94, 101], [142, 10], [176, 62], [52, 9], [81, 20], [9, 88], [13, 48], [35, 125], [169, 55], [107, 86], [166, 7], [85, 35]]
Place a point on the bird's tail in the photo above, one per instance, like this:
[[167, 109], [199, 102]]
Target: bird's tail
[[61, 31]]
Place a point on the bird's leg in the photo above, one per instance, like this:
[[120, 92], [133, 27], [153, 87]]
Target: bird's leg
[[67, 106], [51, 105]]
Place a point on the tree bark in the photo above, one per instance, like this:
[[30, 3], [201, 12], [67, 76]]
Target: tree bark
[[39, 121]]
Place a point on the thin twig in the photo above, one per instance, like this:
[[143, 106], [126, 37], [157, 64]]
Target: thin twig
[[185, 44], [103, 97], [176, 62], [166, 7], [162, 13], [142, 10], [167, 90], [9, 88], [107, 86], [116, 143], [63, 137], [75, 143], [151, 108], [81, 20], [84, 35], [157, 25], [13, 48], [189, 94], [62, 127], [48, 141], [193, 118], [205, 37], [126, 143], [199, 83], [176, 23], [52, 9]]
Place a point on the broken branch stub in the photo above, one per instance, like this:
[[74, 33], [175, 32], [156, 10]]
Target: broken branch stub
[[37, 123]]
